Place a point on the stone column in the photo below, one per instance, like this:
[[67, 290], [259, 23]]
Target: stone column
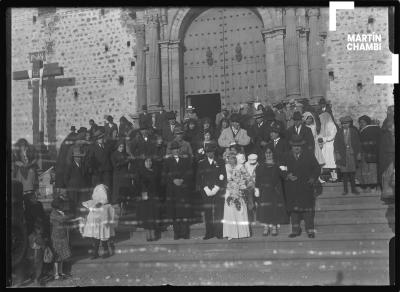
[[275, 63], [314, 55], [291, 55], [302, 34], [176, 103], [154, 99], [164, 45], [141, 87]]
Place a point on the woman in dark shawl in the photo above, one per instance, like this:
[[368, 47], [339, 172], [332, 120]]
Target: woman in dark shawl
[[192, 133], [124, 127], [25, 165], [121, 177], [367, 173]]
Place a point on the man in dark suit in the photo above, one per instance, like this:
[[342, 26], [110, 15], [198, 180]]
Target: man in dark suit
[[210, 180], [161, 119], [168, 129], [279, 145], [259, 134], [76, 180], [99, 161], [300, 169], [178, 177], [144, 116], [302, 130]]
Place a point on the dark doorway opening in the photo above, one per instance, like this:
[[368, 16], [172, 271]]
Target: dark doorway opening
[[206, 105]]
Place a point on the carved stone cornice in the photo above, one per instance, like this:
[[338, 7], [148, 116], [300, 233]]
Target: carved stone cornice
[[272, 32]]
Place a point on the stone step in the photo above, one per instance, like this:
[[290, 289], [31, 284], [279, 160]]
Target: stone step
[[338, 194], [353, 201], [367, 271]]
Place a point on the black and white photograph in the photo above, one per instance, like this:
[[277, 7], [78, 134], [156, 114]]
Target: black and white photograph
[[201, 146]]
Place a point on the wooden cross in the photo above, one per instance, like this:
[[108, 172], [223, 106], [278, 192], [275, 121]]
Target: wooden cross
[[36, 84]]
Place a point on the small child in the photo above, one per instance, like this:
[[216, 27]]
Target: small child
[[36, 250], [59, 238], [100, 222]]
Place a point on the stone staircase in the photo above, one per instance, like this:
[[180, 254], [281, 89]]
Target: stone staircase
[[351, 248]]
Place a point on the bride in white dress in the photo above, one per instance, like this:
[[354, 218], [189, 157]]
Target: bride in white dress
[[235, 222]]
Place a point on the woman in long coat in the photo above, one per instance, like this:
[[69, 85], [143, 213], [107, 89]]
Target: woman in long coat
[[370, 134], [149, 205], [25, 165], [327, 133], [271, 210], [121, 177], [178, 177]]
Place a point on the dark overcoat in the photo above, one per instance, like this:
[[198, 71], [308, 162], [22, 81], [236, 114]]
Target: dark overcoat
[[61, 163], [307, 135], [178, 198], [340, 146], [166, 132], [279, 149], [99, 158], [122, 181], [300, 193], [271, 207]]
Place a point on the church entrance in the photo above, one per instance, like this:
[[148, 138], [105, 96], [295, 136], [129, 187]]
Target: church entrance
[[206, 105], [224, 54]]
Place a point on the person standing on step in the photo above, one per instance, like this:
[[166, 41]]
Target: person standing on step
[[110, 132], [178, 177], [271, 209], [168, 129], [300, 170], [251, 165], [278, 144], [387, 160], [210, 181], [122, 181], [327, 134], [300, 129], [149, 205], [100, 222], [234, 134], [347, 152]]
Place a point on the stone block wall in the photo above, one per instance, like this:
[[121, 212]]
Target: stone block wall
[[352, 67]]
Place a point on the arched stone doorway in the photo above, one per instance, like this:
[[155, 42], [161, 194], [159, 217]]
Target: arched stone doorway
[[224, 56]]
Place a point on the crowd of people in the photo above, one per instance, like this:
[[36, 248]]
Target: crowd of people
[[259, 163]]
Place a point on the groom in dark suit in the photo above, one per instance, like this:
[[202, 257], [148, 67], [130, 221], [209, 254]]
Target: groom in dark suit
[[300, 129], [210, 181]]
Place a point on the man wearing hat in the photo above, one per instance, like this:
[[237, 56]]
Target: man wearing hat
[[93, 128], [185, 150], [210, 181], [190, 114], [178, 177], [143, 144], [224, 114], [110, 131], [72, 133], [144, 116], [99, 161], [258, 133], [234, 134], [168, 129], [160, 120], [280, 114], [279, 144], [300, 129], [301, 170], [347, 152], [77, 180]]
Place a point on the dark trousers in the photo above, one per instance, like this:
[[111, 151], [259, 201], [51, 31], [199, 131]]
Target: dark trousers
[[103, 177], [96, 244], [181, 229], [307, 216], [37, 264], [349, 177], [213, 213]]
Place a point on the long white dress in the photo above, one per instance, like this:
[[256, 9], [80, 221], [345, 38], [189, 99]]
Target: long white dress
[[317, 150], [328, 133], [236, 223]]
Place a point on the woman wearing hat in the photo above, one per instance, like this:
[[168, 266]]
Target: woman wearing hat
[[367, 173], [122, 181], [271, 209], [347, 152], [234, 134], [300, 170], [202, 144]]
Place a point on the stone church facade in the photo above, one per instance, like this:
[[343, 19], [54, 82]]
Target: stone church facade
[[115, 60]]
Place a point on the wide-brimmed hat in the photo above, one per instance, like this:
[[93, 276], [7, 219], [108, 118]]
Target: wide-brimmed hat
[[210, 147], [72, 128], [252, 158], [346, 119], [98, 134], [174, 145], [297, 140], [189, 108], [258, 114], [297, 116], [170, 116], [269, 115]]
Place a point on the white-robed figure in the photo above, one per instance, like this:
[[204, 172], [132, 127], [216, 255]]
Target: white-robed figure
[[309, 121], [101, 221], [328, 133], [235, 222]]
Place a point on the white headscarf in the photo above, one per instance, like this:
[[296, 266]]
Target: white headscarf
[[313, 127], [326, 120], [100, 194]]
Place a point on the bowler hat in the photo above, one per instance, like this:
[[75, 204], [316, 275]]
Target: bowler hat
[[73, 128], [178, 131], [297, 140], [269, 115], [210, 147], [174, 145], [170, 116], [297, 116], [346, 119]]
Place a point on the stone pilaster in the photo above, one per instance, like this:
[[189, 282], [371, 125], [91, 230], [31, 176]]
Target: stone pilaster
[[291, 55], [302, 34], [275, 63], [314, 55], [141, 86], [164, 45], [176, 103], [154, 100]]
